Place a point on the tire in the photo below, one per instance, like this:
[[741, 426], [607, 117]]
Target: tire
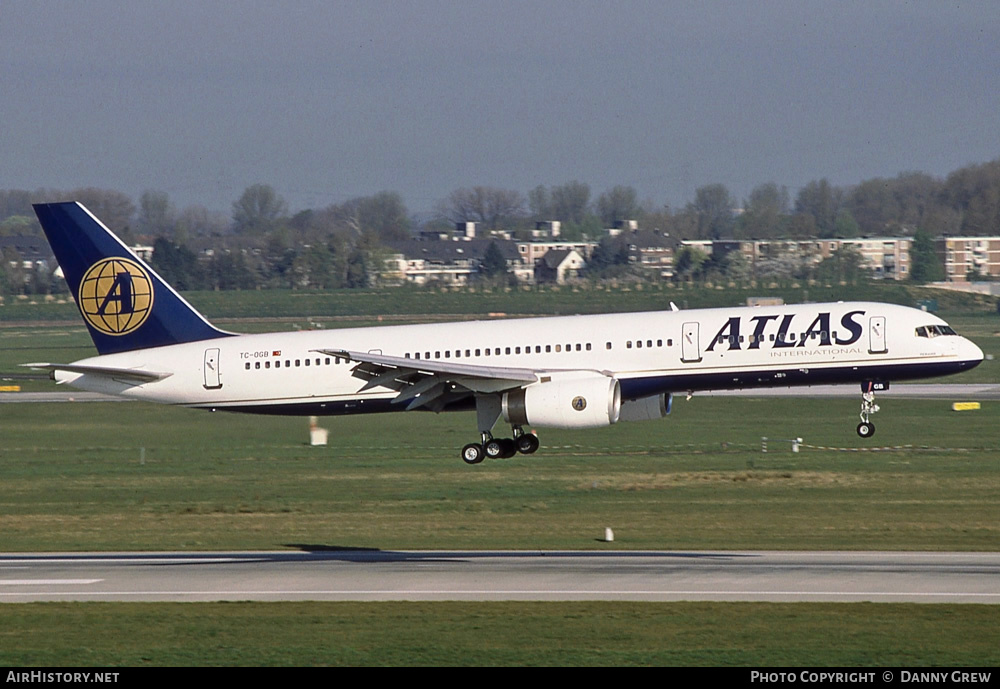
[[493, 448], [473, 454], [866, 430], [527, 443]]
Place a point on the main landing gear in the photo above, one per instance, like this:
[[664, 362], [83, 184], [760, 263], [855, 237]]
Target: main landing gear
[[866, 428], [500, 448], [488, 409]]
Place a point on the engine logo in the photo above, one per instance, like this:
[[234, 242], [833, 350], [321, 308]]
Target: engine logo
[[116, 296], [579, 403]]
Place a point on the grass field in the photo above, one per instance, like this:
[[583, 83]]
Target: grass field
[[123, 476], [758, 635]]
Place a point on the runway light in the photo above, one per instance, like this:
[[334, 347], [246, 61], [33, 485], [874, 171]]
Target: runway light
[[965, 406], [609, 535]]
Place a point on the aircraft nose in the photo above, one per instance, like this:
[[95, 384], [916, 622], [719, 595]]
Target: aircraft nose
[[971, 352]]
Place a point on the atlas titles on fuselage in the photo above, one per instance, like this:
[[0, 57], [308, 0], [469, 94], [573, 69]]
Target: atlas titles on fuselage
[[782, 332]]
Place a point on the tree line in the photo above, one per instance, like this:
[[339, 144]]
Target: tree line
[[260, 243]]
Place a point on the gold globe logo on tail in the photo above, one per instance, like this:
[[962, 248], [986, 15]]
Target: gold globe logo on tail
[[116, 296]]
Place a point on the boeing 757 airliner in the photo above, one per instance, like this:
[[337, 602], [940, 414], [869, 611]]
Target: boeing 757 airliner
[[562, 372]]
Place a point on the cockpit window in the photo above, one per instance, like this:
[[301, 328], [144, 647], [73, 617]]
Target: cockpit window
[[935, 330]]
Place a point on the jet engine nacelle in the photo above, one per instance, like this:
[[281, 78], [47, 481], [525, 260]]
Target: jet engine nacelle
[[646, 408], [568, 400]]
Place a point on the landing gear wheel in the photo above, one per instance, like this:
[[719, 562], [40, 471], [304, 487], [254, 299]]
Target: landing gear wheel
[[866, 429], [473, 453], [509, 448], [527, 443], [494, 448]]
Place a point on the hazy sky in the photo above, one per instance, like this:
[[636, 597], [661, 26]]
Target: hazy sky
[[329, 100]]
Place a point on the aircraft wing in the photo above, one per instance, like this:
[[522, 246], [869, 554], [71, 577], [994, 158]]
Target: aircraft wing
[[431, 383], [132, 376]]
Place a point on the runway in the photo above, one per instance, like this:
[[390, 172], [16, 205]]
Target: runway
[[375, 575]]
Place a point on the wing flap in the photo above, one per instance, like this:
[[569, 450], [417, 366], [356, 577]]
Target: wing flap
[[427, 366], [423, 382]]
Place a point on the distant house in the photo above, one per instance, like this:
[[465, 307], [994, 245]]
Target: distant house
[[558, 266], [652, 251], [964, 257], [420, 262], [33, 251], [884, 257], [532, 252]]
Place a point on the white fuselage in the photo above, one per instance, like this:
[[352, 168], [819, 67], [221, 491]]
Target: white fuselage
[[649, 353]]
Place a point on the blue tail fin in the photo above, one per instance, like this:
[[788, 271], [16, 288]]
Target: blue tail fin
[[125, 304]]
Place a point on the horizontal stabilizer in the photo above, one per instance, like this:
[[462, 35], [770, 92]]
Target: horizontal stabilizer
[[125, 375]]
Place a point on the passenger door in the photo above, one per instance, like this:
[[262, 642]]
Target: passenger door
[[690, 347], [213, 381], [876, 335]]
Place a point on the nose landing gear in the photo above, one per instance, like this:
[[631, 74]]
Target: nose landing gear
[[866, 428]]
